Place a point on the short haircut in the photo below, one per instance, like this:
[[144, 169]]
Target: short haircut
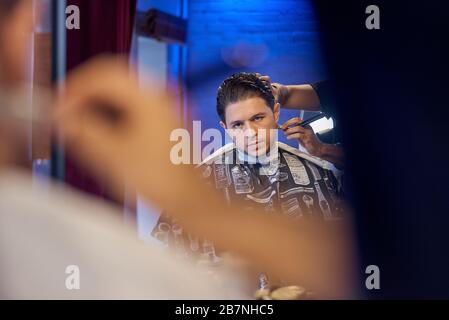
[[242, 86]]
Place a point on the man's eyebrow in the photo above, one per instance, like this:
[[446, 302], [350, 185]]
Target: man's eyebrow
[[235, 122], [252, 118], [258, 115]]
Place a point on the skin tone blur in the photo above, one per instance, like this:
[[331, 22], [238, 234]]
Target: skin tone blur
[[15, 34]]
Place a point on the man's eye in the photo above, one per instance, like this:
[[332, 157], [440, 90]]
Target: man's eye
[[259, 118], [237, 126]]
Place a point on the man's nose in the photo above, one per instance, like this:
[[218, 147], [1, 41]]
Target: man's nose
[[250, 129]]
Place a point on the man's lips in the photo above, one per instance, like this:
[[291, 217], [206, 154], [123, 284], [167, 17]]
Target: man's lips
[[255, 145]]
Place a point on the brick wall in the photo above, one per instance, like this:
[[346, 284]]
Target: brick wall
[[281, 37]]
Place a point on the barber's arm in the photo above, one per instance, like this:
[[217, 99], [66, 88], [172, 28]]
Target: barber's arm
[[307, 97], [308, 139]]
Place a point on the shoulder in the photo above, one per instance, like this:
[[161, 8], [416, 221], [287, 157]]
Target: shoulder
[[318, 161]]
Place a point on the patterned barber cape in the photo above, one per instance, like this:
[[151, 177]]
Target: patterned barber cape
[[294, 183]]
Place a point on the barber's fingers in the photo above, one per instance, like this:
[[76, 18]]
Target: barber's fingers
[[107, 77], [296, 136], [101, 86], [265, 78], [291, 122], [111, 81], [105, 114], [296, 129], [106, 88], [95, 96]]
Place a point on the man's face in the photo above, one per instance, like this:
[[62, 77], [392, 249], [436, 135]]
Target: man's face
[[252, 125]]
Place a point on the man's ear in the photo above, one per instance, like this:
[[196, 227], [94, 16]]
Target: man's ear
[[277, 111], [223, 125]]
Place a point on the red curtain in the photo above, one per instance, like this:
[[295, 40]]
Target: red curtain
[[106, 27]]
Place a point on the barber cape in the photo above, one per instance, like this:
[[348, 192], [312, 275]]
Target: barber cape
[[290, 182]]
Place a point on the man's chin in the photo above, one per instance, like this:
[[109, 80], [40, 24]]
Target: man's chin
[[256, 152]]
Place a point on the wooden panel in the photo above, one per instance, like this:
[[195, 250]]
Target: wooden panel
[[41, 140]]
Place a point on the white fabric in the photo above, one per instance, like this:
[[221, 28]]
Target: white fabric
[[45, 228], [279, 145]]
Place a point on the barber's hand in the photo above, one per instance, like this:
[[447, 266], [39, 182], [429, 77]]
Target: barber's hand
[[120, 132], [306, 136], [279, 90]]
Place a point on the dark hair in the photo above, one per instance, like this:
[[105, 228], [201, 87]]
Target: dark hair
[[242, 86]]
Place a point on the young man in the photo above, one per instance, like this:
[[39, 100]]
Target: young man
[[256, 171]]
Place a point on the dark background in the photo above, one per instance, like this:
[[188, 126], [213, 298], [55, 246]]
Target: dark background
[[391, 87]]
